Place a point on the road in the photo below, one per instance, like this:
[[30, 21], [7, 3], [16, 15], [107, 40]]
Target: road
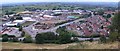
[[29, 30]]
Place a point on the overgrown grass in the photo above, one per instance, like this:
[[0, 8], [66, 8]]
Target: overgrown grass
[[78, 46], [27, 23], [94, 45]]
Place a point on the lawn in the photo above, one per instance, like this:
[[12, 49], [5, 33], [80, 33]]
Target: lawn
[[13, 45], [94, 45], [79, 45], [27, 23]]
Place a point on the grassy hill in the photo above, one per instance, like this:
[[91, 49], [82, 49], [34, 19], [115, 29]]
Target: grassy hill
[[79, 45]]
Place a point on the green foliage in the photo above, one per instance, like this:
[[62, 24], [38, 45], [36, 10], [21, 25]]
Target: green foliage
[[113, 36], [115, 27], [103, 39], [27, 39], [9, 12], [4, 38], [116, 22], [39, 39], [64, 38], [48, 37], [75, 39], [91, 36], [64, 35], [17, 50], [109, 15]]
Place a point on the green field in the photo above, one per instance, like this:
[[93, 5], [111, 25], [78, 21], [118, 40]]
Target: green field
[[27, 23], [79, 45]]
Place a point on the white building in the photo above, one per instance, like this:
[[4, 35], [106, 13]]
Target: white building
[[19, 21], [10, 24], [48, 16], [28, 19], [14, 23]]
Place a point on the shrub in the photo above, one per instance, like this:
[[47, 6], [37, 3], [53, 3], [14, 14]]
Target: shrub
[[39, 39], [27, 39], [4, 38], [48, 37], [75, 39], [64, 35], [113, 36], [64, 38], [103, 39]]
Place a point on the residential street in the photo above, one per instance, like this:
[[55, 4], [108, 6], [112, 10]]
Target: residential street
[[33, 33]]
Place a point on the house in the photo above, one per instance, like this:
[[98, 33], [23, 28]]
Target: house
[[12, 31], [92, 25]]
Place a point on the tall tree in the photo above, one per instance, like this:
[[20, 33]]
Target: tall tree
[[64, 35], [115, 27], [116, 22], [65, 38]]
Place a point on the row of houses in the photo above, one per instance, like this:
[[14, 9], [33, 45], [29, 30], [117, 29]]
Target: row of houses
[[52, 14], [92, 25], [18, 22], [43, 26], [11, 31]]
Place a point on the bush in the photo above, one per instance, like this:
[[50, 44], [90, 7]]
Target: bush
[[64, 38], [4, 38], [48, 37], [27, 39], [17, 50], [39, 39], [115, 28], [75, 39], [109, 15], [64, 35], [103, 39], [113, 36]]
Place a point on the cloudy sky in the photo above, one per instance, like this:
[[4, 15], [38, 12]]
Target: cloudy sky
[[16, 1]]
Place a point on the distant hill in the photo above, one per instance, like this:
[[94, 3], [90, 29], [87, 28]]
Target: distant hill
[[106, 4]]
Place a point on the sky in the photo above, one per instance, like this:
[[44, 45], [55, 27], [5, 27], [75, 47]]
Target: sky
[[17, 1]]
